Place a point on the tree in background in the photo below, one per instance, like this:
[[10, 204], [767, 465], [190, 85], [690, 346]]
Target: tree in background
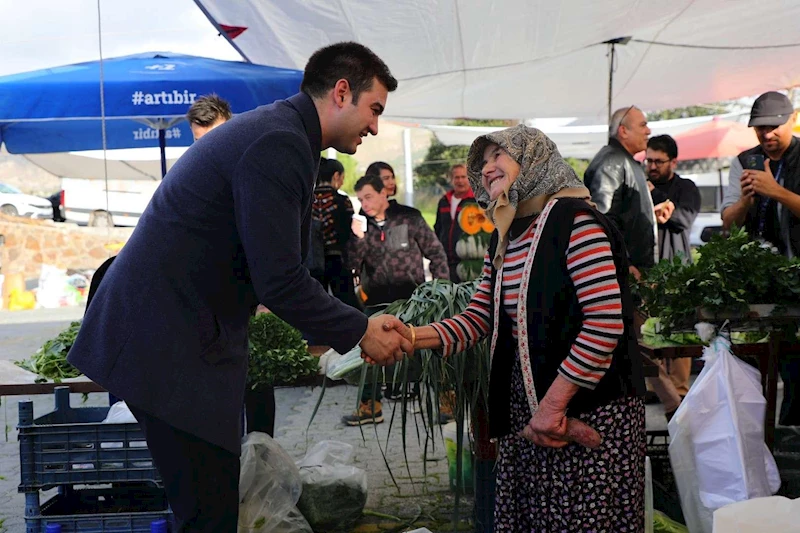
[[350, 170], [686, 112]]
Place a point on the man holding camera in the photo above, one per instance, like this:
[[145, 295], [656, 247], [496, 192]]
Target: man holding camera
[[763, 196]]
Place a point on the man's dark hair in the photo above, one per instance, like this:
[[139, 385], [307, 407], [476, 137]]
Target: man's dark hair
[[350, 61], [664, 143], [376, 167], [207, 109], [327, 168], [370, 179]]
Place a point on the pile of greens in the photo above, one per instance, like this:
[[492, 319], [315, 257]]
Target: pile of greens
[[731, 274], [50, 361], [278, 353]]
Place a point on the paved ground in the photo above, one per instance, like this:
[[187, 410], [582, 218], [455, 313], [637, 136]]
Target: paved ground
[[421, 499]]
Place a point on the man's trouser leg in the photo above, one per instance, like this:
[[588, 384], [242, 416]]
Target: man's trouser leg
[[679, 370], [201, 479], [790, 374]]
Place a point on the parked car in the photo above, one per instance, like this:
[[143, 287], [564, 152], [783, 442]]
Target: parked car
[[705, 225], [15, 203]]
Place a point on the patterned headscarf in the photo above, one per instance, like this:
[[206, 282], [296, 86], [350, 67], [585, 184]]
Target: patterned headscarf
[[542, 175]]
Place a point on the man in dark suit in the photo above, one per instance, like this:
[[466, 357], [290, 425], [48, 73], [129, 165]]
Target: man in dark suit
[[228, 228]]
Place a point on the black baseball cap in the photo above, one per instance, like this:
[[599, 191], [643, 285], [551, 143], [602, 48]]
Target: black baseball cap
[[770, 109]]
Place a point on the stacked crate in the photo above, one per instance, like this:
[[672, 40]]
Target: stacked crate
[[71, 449]]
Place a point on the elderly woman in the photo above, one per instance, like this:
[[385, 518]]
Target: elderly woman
[[565, 394]]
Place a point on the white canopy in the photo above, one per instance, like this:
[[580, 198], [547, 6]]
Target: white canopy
[[582, 142], [537, 58]]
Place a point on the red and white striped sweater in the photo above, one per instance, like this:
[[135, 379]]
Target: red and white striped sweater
[[593, 273]]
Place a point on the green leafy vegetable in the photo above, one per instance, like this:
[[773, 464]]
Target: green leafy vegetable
[[730, 275], [50, 361], [278, 353]]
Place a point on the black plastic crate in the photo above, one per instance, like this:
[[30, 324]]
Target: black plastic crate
[[116, 510], [665, 491], [72, 446]]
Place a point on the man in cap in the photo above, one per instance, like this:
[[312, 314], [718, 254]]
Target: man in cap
[[763, 196]]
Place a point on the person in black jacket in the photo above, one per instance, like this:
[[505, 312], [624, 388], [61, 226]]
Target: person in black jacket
[[228, 228], [677, 202], [335, 212], [767, 203], [619, 186]]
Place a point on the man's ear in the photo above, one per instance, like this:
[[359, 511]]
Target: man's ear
[[341, 91]]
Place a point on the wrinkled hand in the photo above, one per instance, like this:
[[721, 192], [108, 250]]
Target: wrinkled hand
[[760, 182], [551, 428], [386, 341]]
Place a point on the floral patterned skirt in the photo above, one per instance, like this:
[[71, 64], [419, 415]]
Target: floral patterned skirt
[[573, 489]]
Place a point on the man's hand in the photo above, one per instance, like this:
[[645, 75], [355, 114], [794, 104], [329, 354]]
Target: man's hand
[[386, 341], [650, 186], [760, 182], [635, 272], [663, 211], [357, 228]]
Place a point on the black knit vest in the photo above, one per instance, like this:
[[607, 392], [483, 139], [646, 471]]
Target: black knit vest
[[554, 321]]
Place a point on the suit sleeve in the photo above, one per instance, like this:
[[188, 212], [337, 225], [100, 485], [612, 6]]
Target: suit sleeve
[[272, 186], [687, 205], [432, 249]]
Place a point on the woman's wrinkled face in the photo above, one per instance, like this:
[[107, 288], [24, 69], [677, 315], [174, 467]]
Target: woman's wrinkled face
[[499, 170]]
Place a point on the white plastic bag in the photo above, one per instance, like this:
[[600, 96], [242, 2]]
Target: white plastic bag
[[53, 287], [775, 514], [334, 491], [717, 447], [119, 413], [269, 487], [345, 364]]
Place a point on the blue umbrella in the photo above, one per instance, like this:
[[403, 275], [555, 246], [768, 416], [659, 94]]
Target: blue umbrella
[[144, 101]]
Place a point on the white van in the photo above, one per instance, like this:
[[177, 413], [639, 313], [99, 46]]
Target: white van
[[90, 202]]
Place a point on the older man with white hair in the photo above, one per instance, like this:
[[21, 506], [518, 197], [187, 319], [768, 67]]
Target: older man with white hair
[[619, 186]]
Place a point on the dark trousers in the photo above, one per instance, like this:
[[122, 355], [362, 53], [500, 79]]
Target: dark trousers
[[339, 280], [790, 374], [259, 408], [201, 479]]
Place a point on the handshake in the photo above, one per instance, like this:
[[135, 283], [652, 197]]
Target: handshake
[[386, 341]]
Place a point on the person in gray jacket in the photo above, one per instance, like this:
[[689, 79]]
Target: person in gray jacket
[[619, 187]]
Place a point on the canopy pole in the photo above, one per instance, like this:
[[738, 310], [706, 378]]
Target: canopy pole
[[612, 65], [409, 171], [162, 145]]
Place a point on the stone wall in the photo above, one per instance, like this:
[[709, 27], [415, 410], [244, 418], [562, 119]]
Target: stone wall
[[26, 244]]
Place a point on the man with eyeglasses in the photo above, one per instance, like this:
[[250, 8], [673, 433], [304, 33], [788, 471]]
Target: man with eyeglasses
[[677, 202], [619, 186]]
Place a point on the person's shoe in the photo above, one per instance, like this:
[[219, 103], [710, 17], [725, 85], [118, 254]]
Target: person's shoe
[[651, 398], [445, 419], [447, 402], [365, 414]]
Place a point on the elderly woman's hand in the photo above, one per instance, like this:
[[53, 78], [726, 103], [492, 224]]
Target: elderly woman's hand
[[551, 428]]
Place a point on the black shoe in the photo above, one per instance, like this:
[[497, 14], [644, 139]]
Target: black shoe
[[651, 398]]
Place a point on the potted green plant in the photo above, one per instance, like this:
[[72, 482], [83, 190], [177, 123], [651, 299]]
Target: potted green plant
[[278, 356], [465, 374]]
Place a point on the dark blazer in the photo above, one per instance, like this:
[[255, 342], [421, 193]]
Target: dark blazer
[[227, 228]]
